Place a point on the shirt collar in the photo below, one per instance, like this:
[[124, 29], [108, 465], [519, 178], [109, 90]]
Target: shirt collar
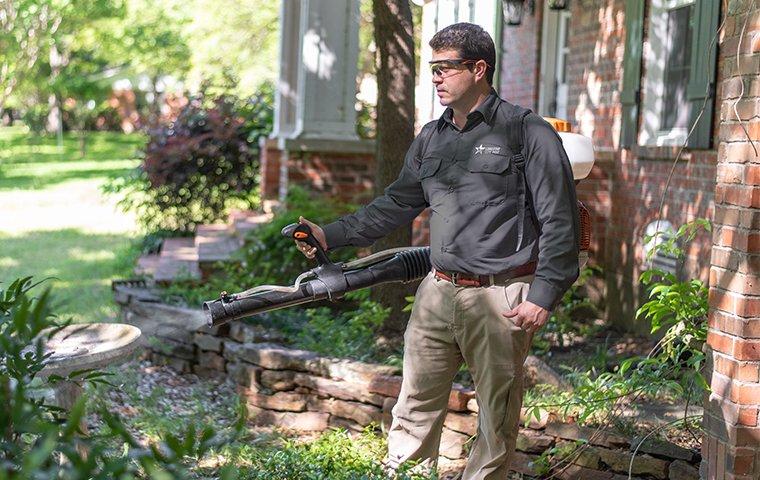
[[487, 109]]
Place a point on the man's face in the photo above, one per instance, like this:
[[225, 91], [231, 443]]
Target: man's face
[[453, 81]]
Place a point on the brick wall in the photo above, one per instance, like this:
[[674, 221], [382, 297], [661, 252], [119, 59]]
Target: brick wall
[[595, 69], [340, 174], [521, 46], [731, 446], [624, 189]]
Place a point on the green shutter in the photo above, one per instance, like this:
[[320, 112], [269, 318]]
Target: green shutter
[[705, 19], [629, 97]]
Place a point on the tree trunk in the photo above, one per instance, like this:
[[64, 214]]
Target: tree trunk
[[395, 127]]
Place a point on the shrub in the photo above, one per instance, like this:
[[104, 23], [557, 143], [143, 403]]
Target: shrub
[[198, 165], [42, 441], [349, 334]]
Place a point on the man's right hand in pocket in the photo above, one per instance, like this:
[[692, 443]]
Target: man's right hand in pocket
[[317, 232]]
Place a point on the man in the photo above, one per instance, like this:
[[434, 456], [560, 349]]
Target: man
[[503, 244]]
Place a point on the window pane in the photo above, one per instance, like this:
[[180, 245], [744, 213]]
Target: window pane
[[675, 113]]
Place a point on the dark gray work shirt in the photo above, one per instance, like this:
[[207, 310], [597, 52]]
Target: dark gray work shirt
[[466, 178]]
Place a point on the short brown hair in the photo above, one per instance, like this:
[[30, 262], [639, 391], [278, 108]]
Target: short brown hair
[[472, 43]]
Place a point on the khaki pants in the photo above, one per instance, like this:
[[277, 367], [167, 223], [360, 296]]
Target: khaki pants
[[448, 325]]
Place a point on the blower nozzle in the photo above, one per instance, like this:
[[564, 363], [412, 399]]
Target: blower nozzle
[[329, 280]]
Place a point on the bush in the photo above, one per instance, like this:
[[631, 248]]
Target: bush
[[42, 441], [200, 164], [349, 334], [334, 455]]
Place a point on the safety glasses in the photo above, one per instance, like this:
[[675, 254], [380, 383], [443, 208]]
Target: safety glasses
[[448, 67]]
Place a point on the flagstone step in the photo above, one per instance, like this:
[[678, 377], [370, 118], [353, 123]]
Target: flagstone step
[[243, 221], [147, 264], [178, 260]]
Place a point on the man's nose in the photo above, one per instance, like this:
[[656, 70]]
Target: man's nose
[[437, 79]]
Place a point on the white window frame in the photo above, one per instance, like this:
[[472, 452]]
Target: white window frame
[[652, 134], [552, 60]]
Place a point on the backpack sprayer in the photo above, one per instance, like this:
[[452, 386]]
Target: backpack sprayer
[[333, 280]]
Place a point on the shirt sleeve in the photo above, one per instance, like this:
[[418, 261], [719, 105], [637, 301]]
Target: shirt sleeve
[[401, 202], [552, 188]]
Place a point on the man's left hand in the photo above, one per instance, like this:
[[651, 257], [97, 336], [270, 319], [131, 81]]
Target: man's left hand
[[528, 316]]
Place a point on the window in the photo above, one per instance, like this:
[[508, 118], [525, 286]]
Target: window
[[666, 108]]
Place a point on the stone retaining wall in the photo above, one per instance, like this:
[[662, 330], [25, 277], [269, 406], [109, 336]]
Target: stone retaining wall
[[301, 390]]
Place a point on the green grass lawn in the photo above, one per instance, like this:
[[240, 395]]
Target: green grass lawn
[[55, 222]]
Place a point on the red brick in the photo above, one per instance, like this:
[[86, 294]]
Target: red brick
[[733, 260], [720, 342], [740, 305], [735, 281], [745, 436], [742, 461], [752, 175], [743, 371], [734, 325], [747, 350], [740, 195], [730, 173], [739, 152], [744, 393], [748, 416]]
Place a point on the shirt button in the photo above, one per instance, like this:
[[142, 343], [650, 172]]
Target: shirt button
[[451, 188]]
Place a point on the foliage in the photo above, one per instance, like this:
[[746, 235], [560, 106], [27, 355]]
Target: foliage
[[679, 307], [231, 37], [269, 258], [563, 321], [197, 165], [43, 441], [349, 334], [334, 455], [672, 367]]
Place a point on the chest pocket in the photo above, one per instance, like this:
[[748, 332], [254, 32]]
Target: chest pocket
[[490, 178], [428, 167]]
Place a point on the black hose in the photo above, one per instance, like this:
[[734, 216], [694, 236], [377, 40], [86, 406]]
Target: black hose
[[405, 267]]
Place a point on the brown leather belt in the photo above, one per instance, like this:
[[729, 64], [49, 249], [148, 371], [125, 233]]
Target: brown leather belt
[[470, 280]]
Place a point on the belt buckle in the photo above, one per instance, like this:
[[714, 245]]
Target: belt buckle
[[471, 282]]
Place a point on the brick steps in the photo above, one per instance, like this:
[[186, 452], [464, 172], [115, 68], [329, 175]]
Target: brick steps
[[193, 258]]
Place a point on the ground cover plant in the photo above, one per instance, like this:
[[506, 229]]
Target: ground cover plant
[[55, 222]]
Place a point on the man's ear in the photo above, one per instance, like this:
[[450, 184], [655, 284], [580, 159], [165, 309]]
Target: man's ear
[[480, 67]]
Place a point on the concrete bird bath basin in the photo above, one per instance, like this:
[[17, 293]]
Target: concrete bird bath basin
[[83, 347]]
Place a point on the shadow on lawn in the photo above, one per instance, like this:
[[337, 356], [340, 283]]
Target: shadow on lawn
[[81, 265], [38, 182], [18, 148]]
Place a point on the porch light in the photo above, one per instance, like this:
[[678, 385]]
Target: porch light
[[558, 4], [514, 9]]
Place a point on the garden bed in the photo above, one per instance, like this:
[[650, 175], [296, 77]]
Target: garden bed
[[300, 390]]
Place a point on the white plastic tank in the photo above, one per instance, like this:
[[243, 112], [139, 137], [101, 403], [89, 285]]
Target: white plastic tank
[[579, 148]]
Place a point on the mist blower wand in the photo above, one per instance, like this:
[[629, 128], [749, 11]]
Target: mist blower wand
[[327, 280]]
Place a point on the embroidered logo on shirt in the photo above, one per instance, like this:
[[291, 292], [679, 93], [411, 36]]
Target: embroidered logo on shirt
[[484, 149]]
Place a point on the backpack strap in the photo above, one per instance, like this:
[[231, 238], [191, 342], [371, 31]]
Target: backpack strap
[[427, 134], [516, 142]]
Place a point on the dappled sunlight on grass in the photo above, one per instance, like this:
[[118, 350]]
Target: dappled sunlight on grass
[[80, 266], [55, 223]]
